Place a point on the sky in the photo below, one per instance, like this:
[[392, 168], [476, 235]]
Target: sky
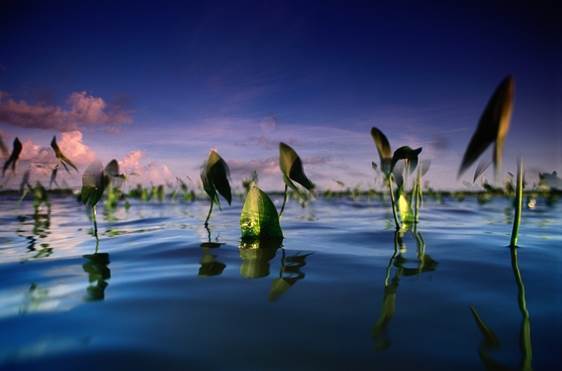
[[157, 84]]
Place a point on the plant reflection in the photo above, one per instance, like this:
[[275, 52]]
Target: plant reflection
[[210, 266], [289, 274], [40, 231], [98, 274], [423, 263], [256, 256], [525, 328]]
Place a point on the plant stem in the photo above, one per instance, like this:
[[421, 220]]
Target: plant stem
[[284, 200], [209, 215], [518, 205], [389, 182], [95, 222], [525, 334]]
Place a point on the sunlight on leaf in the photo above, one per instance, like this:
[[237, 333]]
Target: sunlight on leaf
[[259, 218]]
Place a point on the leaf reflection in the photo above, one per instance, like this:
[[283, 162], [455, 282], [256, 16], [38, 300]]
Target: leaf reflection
[[256, 256], [98, 274], [289, 274]]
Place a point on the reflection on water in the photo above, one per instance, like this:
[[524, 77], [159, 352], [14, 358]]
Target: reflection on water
[[39, 232], [423, 263], [210, 265], [289, 274], [98, 274], [490, 341], [256, 256]]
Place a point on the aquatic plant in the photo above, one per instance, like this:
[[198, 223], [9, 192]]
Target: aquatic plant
[[492, 128], [292, 170], [14, 156], [388, 162], [95, 180], [61, 160], [289, 274], [259, 219], [518, 205], [214, 176]]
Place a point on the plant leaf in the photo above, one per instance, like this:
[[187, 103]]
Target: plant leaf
[[60, 156], [404, 208], [214, 176], [481, 168], [408, 154], [94, 182], [259, 218], [111, 170], [492, 127], [14, 156], [383, 147], [292, 169], [3, 148]]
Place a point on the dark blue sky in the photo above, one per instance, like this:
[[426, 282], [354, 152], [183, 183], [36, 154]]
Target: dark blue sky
[[239, 75]]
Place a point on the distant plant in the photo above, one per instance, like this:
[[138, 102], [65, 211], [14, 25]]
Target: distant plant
[[388, 161], [95, 181], [214, 176], [247, 182], [62, 160], [14, 156], [292, 170]]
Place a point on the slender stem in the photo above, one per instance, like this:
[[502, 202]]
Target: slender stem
[[284, 200], [95, 222], [209, 215], [525, 334], [389, 182], [518, 205]]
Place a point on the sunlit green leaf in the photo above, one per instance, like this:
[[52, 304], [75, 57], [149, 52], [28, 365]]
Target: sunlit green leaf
[[292, 169], [406, 214], [14, 156], [492, 127], [259, 218]]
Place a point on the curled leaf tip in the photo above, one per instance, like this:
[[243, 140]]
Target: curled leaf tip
[[292, 168]]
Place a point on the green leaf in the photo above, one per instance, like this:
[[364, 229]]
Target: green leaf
[[409, 155], [14, 156], [383, 147], [292, 169], [404, 208], [94, 182], [492, 127], [214, 176], [259, 218]]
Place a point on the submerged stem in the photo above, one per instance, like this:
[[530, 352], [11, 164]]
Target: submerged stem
[[284, 200], [389, 182], [209, 215], [525, 334], [518, 205]]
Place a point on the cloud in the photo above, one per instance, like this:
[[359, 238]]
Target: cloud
[[150, 173], [83, 110]]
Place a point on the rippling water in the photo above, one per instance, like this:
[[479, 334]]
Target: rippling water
[[343, 292]]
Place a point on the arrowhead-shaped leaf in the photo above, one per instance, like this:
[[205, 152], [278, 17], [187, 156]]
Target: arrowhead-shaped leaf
[[383, 147], [94, 182], [292, 169], [214, 176], [408, 154], [60, 156], [259, 218], [492, 127], [14, 156]]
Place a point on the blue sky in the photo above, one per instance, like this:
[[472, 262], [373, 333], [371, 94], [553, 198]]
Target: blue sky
[[177, 79]]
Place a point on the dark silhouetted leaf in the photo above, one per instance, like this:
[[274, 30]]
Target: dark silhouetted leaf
[[214, 176], [111, 170], [408, 154], [291, 167], [259, 218], [3, 148], [481, 168], [14, 156], [60, 156], [492, 127], [383, 147]]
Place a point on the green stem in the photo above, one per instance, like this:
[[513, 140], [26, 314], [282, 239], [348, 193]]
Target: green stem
[[389, 182], [518, 206], [525, 334], [284, 200], [95, 222], [209, 215]]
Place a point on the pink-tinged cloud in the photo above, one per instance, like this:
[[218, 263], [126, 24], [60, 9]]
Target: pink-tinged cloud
[[150, 173], [83, 110]]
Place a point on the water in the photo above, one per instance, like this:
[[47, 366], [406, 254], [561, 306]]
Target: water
[[343, 292]]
